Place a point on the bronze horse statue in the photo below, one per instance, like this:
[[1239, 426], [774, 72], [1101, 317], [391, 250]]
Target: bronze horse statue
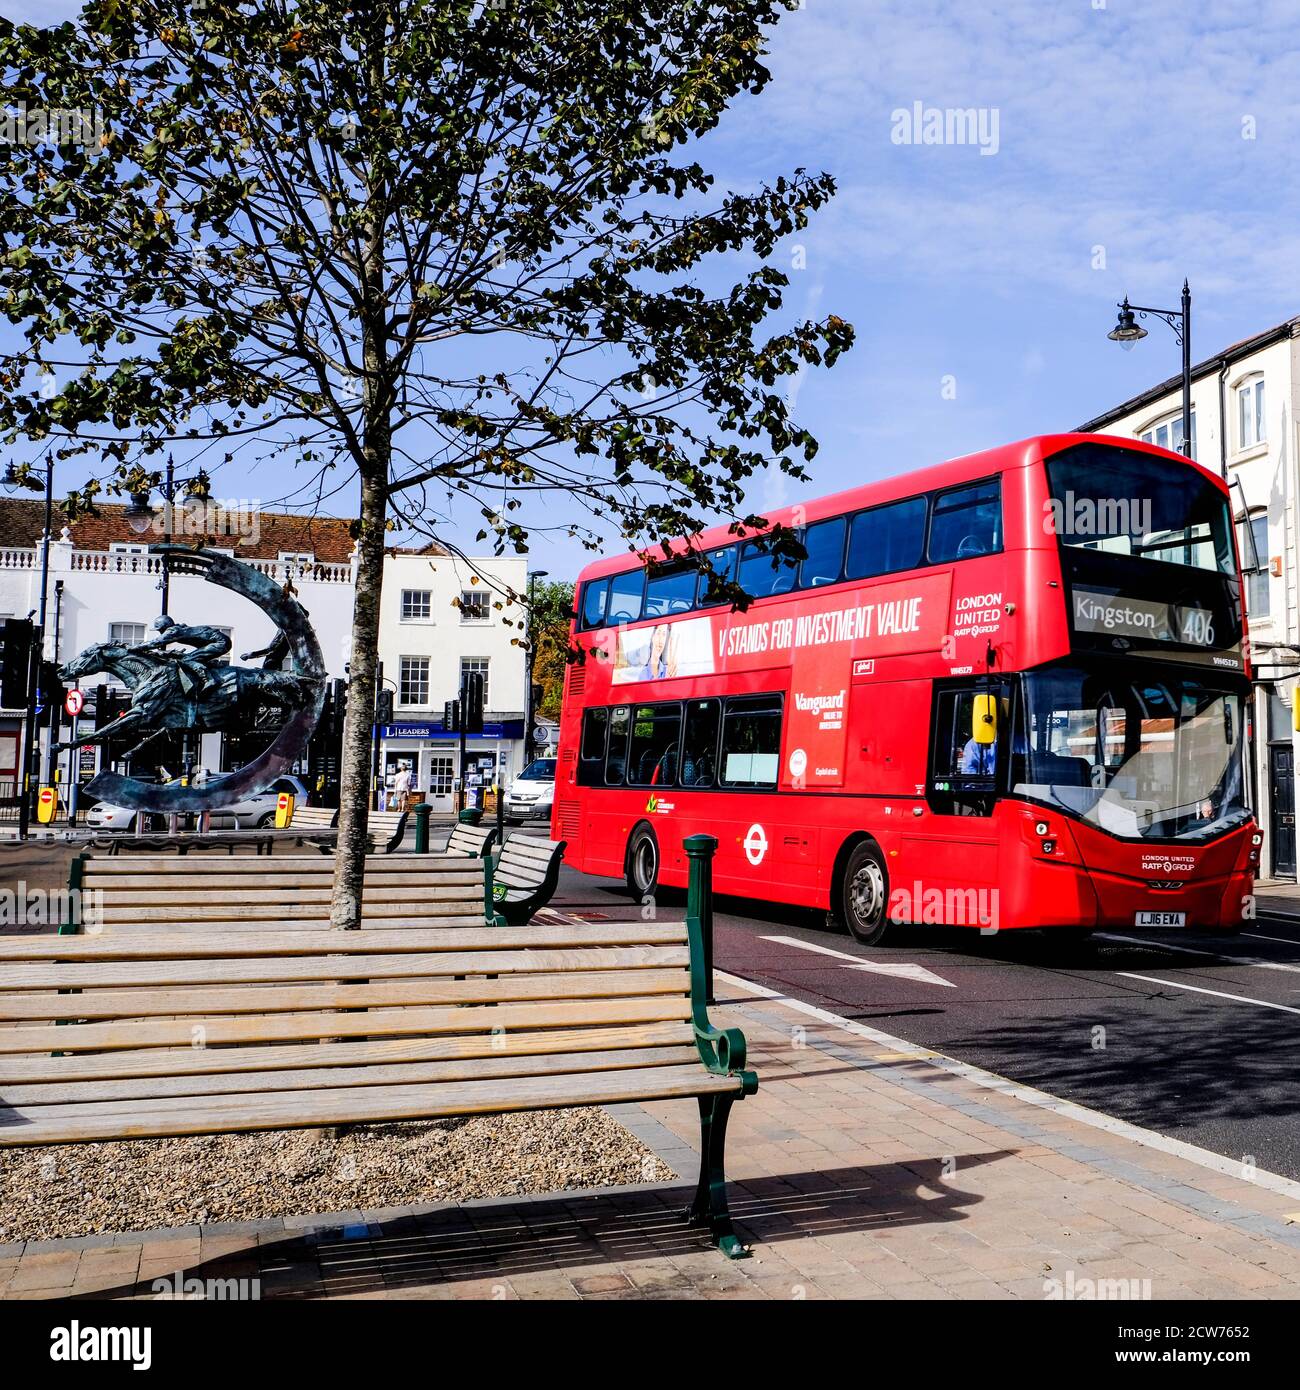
[[159, 702]]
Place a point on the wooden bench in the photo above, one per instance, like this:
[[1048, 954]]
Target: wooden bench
[[389, 825], [474, 840], [526, 875], [154, 1033], [283, 893]]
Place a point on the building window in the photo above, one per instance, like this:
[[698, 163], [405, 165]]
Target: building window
[[475, 605], [1250, 413], [475, 665], [416, 605], [1168, 434], [128, 548], [413, 687], [128, 634], [1257, 577]]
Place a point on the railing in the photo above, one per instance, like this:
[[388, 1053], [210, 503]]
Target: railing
[[12, 558], [123, 562]]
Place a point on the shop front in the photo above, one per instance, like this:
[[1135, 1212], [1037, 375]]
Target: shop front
[[433, 755]]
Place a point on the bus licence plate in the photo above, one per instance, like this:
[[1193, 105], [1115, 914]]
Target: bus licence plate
[[1160, 919]]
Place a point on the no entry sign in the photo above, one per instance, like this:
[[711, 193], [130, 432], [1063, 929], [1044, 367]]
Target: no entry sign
[[74, 702]]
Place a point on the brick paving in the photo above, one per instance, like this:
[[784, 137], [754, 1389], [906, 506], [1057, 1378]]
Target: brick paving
[[858, 1171]]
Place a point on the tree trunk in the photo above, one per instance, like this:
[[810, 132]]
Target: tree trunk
[[354, 794]]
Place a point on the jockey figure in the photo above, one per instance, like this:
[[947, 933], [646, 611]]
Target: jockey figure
[[193, 668]]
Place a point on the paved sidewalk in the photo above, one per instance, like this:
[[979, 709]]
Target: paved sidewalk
[[864, 1168]]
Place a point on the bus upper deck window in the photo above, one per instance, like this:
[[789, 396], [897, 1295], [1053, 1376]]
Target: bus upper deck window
[[967, 522], [886, 539], [763, 573], [670, 590], [625, 593], [824, 543], [721, 566], [595, 596]]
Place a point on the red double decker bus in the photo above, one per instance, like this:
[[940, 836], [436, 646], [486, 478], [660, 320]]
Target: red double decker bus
[[1008, 691]]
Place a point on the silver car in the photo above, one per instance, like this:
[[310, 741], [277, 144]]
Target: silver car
[[254, 812], [531, 793]]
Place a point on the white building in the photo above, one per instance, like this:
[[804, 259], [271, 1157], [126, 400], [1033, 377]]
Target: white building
[[442, 617], [1245, 405], [104, 584]]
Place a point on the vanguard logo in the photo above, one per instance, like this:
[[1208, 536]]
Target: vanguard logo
[[816, 704]]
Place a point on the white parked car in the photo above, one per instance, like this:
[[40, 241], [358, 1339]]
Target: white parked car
[[254, 812], [532, 792]]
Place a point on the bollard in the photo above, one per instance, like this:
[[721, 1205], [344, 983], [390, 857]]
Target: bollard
[[700, 850], [471, 815], [422, 811]]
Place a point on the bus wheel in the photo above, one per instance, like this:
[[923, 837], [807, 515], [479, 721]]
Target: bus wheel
[[864, 894], [642, 863]]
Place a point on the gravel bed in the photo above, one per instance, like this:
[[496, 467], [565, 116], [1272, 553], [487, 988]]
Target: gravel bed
[[87, 1189]]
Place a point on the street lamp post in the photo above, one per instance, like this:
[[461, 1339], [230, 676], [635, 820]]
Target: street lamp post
[[31, 736], [1128, 331], [530, 744]]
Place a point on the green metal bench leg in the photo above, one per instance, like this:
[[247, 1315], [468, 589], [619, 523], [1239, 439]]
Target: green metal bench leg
[[710, 1204]]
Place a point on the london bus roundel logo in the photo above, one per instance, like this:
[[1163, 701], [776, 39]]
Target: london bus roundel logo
[[755, 844]]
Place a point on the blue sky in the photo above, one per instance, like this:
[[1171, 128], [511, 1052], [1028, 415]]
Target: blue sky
[[1120, 126]]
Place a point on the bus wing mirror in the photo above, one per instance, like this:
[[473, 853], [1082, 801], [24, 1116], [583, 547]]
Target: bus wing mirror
[[984, 719]]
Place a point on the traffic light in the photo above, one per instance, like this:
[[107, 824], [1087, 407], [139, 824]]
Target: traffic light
[[471, 694], [338, 707], [108, 705], [49, 688], [15, 663], [451, 717], [384, 707]]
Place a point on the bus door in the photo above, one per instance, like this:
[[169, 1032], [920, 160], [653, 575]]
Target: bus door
[[952, 853]]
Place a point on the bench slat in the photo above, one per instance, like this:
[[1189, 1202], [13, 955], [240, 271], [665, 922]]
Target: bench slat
[[362, 1023], [203, 1002], [182, 866], [216, 944], [287, 912], [358, 1105], [166, 1067], [179, 1091], [265, 969], [253, 925]]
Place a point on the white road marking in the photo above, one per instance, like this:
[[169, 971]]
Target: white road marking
[[1259, 936], [990, 1081], [900, 972], [1218, 993], [1196, 951]]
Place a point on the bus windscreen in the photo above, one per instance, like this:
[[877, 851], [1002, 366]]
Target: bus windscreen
[[1119, 501]]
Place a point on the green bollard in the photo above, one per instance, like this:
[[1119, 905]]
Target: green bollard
[[422, 811], [700, 850], [471, 815]]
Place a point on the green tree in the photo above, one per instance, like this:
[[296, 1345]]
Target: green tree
[[548, 641], [455, 254]]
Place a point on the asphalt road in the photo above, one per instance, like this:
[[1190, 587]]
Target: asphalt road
[[1186, 1033]]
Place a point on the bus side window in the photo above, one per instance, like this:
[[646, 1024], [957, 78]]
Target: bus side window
[[751, 741], [884, 540], [625, 592], [722, 565], [762, 573], [966, 522], [591, 754], [670, 590], [700, 744], [656, 730], [824, 543], [616, 753], [595, 596]]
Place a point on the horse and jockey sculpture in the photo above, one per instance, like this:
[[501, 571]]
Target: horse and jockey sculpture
[[177, 681], [186, 689]]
